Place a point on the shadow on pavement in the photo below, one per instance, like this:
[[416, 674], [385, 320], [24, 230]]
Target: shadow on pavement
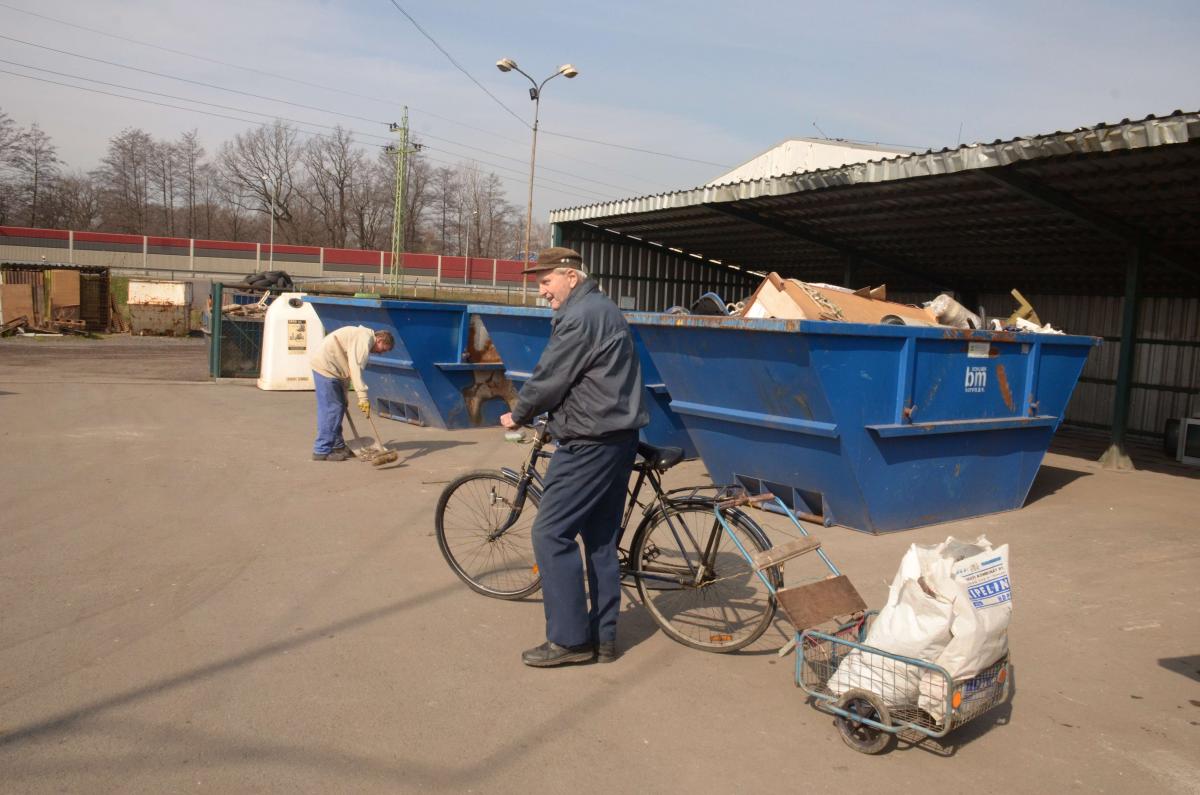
[[1189, 666], [1050, 479]]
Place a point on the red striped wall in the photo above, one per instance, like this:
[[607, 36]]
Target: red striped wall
[[337, 260]]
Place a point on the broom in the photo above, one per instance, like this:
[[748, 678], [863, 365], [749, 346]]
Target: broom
[[378, 455]]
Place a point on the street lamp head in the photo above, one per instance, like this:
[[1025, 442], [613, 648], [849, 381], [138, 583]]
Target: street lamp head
[[568, 71], [506, 64]]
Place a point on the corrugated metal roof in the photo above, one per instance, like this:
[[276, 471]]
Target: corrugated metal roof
[[982, 216]]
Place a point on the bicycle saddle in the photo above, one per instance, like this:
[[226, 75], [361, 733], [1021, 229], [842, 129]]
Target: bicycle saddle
[[661, 458]]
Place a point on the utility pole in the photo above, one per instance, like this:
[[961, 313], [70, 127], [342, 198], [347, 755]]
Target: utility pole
[[401, 153]]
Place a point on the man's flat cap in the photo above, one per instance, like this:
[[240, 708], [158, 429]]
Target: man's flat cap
[[557, 257]]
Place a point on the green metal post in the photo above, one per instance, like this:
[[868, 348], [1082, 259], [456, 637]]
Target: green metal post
[[214, 325], [1115, 456]]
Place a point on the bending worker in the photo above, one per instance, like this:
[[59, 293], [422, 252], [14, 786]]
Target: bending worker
[[590, 382], [341, 358]]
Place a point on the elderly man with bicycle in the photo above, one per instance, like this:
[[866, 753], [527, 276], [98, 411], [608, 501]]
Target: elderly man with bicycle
[[590, 382]]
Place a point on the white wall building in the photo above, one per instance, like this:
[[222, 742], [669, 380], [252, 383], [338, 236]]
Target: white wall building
[[807, 154]]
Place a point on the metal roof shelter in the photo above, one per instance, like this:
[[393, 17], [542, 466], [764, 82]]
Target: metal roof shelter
[[1107, 210]]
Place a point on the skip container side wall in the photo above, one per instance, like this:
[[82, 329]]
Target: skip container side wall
[[878, 428]]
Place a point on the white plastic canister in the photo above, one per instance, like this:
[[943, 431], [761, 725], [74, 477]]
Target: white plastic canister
[[291, 333]]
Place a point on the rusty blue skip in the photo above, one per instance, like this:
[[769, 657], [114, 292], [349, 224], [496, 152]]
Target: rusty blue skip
[[873, 427], [434, 375], [520, 334]]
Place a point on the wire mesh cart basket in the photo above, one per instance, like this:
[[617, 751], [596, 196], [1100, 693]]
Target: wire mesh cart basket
[[873, 695]]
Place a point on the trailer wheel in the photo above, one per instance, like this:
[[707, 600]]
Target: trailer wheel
[[861, 736]]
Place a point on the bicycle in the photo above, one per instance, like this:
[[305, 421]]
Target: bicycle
[[703, 592]]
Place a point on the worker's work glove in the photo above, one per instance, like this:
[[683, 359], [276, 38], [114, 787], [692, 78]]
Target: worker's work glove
[[364, 406]]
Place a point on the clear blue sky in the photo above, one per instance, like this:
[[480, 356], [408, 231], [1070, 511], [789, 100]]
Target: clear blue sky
[[711, 81]]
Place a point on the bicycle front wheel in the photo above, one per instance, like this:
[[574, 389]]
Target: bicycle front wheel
[[469, 515], [712, 602]]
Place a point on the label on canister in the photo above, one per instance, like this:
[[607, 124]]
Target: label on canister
[[297, 337], [979, 350]]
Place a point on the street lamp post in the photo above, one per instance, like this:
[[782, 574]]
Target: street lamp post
[[467, 259], [535, 93], [271, 196]]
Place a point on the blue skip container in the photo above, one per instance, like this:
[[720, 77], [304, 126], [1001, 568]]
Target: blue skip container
[[440, 373], [520, 334], [873, 427]]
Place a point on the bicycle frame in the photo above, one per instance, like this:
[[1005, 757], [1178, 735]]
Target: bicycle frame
[[529, 477]]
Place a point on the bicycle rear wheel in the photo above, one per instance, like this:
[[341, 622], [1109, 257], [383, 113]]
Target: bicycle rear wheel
[[469, 515], [729, 607]]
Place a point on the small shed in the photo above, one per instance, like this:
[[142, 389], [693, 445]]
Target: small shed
[[49, 294]]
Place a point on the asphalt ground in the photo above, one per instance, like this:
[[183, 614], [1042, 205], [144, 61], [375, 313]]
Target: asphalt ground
[[188, 603]]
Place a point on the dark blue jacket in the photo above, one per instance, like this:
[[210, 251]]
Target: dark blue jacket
[[589, 377]]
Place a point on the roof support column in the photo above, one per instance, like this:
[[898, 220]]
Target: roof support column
[[853, 261], [1116, 457]]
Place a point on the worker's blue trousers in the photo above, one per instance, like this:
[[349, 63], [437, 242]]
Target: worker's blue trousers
[[586, 484], [331, 405]]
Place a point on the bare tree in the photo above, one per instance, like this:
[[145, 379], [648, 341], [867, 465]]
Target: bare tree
[[76, 202], [36, 162], [124, 175], [371, 203], [328, 192], [333, 166], [443, 204], [189, 162], [162, 171], [10, 133], [418, 198], [208, 201], [259, 168]]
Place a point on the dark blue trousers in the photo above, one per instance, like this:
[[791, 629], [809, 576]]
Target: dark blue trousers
[[331, 404], [585, 496]]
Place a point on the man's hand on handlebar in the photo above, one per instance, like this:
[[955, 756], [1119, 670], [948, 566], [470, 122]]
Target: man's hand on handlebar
[[506, 420]]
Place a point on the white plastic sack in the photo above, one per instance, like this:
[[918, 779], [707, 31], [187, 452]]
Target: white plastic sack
[[979, 633], [949, 604]]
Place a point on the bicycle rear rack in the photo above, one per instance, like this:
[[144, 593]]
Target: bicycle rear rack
[[808, 605]]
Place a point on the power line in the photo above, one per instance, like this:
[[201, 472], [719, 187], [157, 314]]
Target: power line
[[459, 66], [432, 137], [193, 82], [198, 57], [506, 168], [334, 89], [360, 133], [540, 183], [179, 98], [233, 91], [634, 149], [521, 182]]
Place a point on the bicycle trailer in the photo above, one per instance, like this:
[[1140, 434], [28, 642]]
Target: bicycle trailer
[[874, 695]]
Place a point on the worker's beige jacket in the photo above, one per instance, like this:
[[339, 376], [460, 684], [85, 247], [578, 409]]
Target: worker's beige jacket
[[343, 354]]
